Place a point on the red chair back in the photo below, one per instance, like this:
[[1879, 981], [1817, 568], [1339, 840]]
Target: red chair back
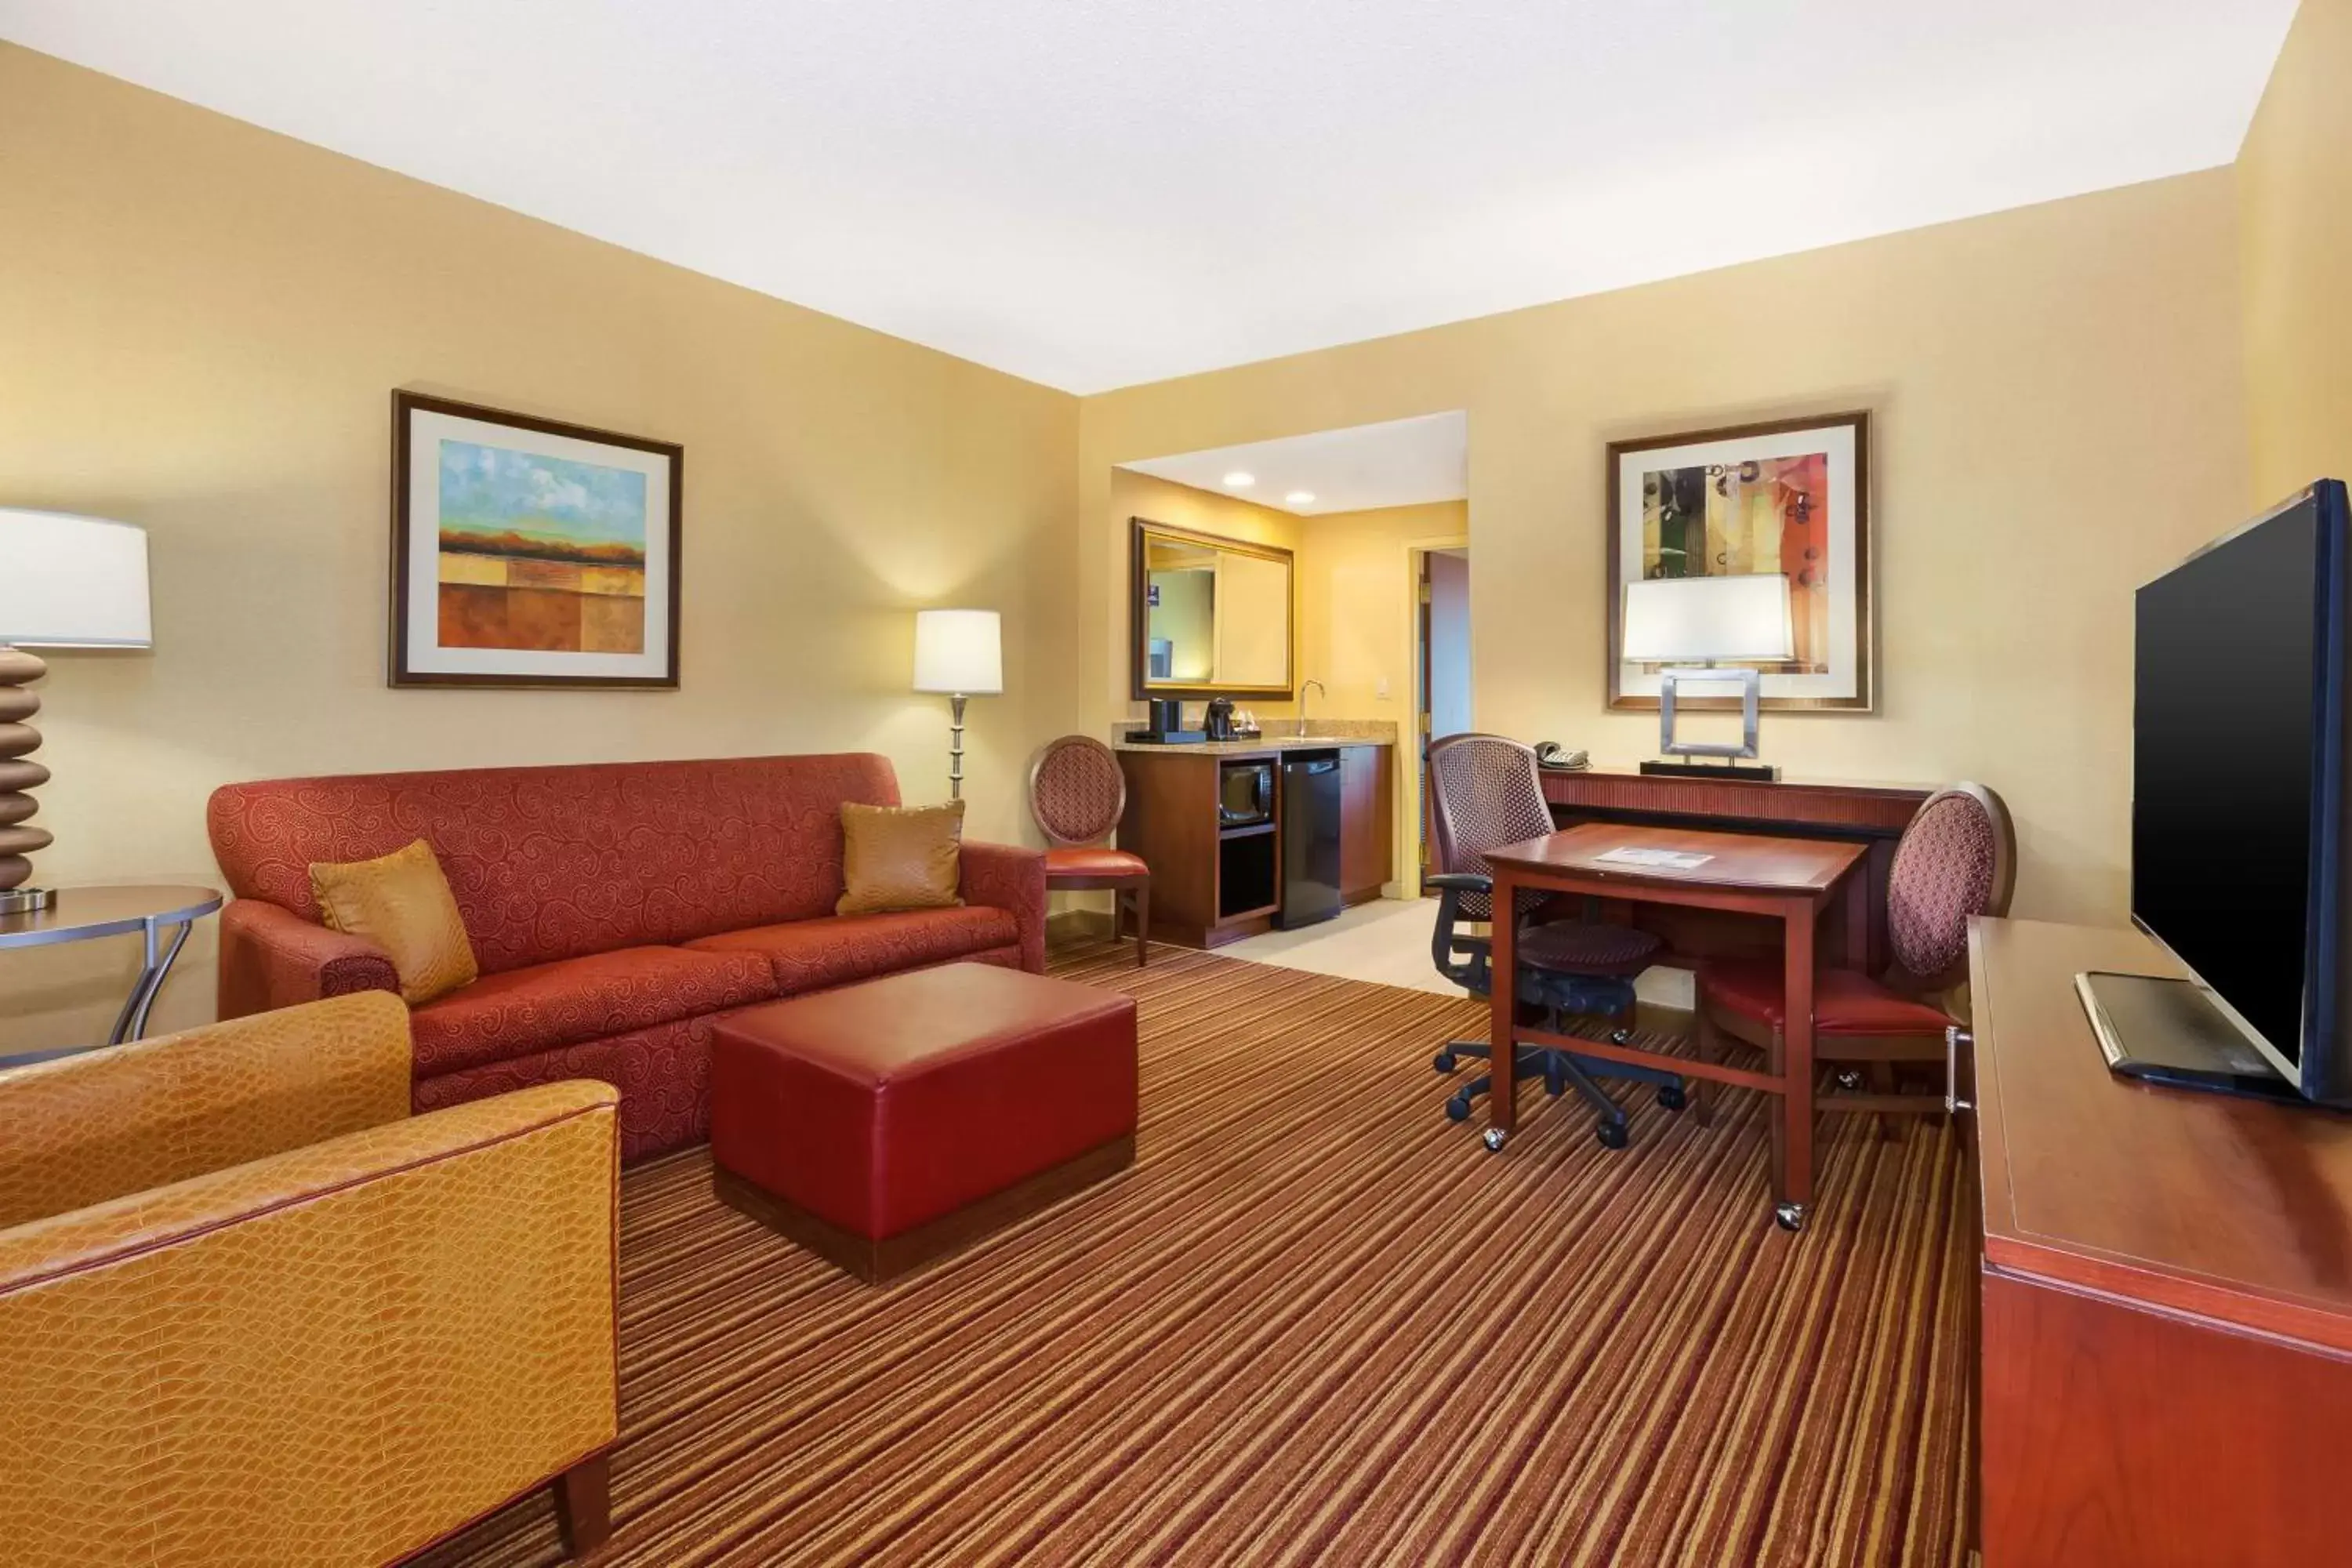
[[1958, 858], [1485, 792], [1077, 792]]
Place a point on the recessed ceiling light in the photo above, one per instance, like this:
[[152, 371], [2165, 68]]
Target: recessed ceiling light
[[1301, 497], [1240, 481]]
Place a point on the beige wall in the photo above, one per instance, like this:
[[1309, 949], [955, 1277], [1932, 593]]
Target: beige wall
[[1356, 604], [201, 325], [2060, 412], [1357, 609], [2294, 182]]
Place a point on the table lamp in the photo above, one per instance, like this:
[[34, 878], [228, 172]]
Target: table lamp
[[1689, 623], [958, 653], [65, 582]]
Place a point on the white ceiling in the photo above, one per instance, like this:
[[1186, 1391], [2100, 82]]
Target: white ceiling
[[1403, 462], [1093, 196]]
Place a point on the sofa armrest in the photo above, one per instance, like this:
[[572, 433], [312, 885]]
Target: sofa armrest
[[87, 1128], [271, 957], [344, 1352], [1008, 877]]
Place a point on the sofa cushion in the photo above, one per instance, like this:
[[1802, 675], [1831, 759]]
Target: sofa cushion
[[809, 956], [555, 862], [521, 1011], [401, 903], [898, 857]]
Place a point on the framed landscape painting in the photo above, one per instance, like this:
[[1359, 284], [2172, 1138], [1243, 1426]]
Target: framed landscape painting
[[1791, 497], [527, 553]]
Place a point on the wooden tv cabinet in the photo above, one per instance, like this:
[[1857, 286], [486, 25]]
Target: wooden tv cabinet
[[2165, 1325]]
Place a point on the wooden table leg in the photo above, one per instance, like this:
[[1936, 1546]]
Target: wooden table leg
[[1857, 916], [1501, 1029], [1793, 1130]]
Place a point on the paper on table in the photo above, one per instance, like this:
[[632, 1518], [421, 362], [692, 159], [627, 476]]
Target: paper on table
[[1672, 860]]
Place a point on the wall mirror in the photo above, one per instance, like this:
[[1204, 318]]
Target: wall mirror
[[1211, 616]]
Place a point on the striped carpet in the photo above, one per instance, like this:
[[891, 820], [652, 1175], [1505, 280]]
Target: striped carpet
[[1316, 1323]]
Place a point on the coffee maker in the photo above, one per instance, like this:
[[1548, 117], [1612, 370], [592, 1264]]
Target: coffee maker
[[1164, 725], [1219, 722]]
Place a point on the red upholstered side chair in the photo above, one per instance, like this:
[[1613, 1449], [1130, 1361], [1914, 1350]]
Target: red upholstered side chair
[[1958, 858], [1076, 793]]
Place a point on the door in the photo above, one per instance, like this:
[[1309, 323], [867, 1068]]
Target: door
[[1445, 674]]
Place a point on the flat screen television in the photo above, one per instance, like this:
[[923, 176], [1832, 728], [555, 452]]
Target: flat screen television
[[2238, 781]]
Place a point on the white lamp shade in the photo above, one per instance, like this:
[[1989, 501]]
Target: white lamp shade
[[1690, 620], [959, 652], [72, 582]]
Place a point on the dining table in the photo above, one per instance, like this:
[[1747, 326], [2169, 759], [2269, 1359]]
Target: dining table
[[1788, 881]]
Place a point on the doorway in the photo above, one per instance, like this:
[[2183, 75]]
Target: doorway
[[1443, 658]]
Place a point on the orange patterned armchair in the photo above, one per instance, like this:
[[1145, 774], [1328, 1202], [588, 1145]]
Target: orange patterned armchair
[[253, 1311]]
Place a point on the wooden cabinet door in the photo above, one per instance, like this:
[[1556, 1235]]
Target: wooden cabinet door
[[1367, 806]]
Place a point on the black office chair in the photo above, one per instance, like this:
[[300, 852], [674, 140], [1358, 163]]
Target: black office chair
[[1486, 792]]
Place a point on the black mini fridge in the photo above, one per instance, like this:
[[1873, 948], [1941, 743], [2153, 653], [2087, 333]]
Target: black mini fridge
[[1310, 838]]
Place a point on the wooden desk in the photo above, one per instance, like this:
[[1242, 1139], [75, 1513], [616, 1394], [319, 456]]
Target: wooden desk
[[1790, 880], [1874, 816], [2166, 1334]]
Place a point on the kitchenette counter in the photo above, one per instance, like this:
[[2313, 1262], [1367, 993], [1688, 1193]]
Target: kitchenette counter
[[1321, 733], [1220, 872]]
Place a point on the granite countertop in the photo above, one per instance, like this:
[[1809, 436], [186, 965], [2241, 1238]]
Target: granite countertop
[[1321, 734]]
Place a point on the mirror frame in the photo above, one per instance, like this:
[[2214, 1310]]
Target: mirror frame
[[1142, 530]]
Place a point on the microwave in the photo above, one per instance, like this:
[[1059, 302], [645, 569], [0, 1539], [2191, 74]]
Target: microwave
[[1244, 794]]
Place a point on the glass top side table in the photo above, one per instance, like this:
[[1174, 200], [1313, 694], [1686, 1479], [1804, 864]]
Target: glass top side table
[[85, 914]]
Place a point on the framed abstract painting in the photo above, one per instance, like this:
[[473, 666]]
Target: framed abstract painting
[[529, 553], [1791, 497]]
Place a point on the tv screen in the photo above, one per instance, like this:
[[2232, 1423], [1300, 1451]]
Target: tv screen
[[2232, 742]]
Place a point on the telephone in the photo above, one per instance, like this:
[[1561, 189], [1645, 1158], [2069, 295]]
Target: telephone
[[1560, 759]]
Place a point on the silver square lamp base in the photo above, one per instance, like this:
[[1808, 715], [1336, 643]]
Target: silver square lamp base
[[1733, 762]]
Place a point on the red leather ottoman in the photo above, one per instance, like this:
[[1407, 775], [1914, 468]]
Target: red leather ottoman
[[885, 1125]]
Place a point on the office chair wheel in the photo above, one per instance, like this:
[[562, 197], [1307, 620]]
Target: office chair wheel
[[1493, 1137], [1612, 1134], [1458, 1108], [1444, 1062], [1788, 1216], [1620, 1036], [1848, 1079], [1671, 1096]]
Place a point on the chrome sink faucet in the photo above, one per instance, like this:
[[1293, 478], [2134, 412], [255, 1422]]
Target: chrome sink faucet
[[1302, 702]]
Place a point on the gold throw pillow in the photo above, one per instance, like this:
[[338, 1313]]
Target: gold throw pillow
[[900, 858], [402, 902]]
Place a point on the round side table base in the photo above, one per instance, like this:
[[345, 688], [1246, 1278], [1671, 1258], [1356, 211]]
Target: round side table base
[[24, 901]]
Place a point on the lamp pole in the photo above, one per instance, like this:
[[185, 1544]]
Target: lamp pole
[[959, 656], [955, 745]]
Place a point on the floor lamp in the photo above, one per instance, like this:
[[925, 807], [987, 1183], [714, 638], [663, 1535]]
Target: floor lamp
[[958, 654], [65, 582]]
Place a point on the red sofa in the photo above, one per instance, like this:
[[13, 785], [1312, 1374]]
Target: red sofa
[[614, 909]]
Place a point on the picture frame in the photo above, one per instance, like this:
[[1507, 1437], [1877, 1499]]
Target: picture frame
[[529, 553], [1733, 498]]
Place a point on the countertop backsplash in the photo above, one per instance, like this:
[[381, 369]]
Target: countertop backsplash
[[1275, 732]]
